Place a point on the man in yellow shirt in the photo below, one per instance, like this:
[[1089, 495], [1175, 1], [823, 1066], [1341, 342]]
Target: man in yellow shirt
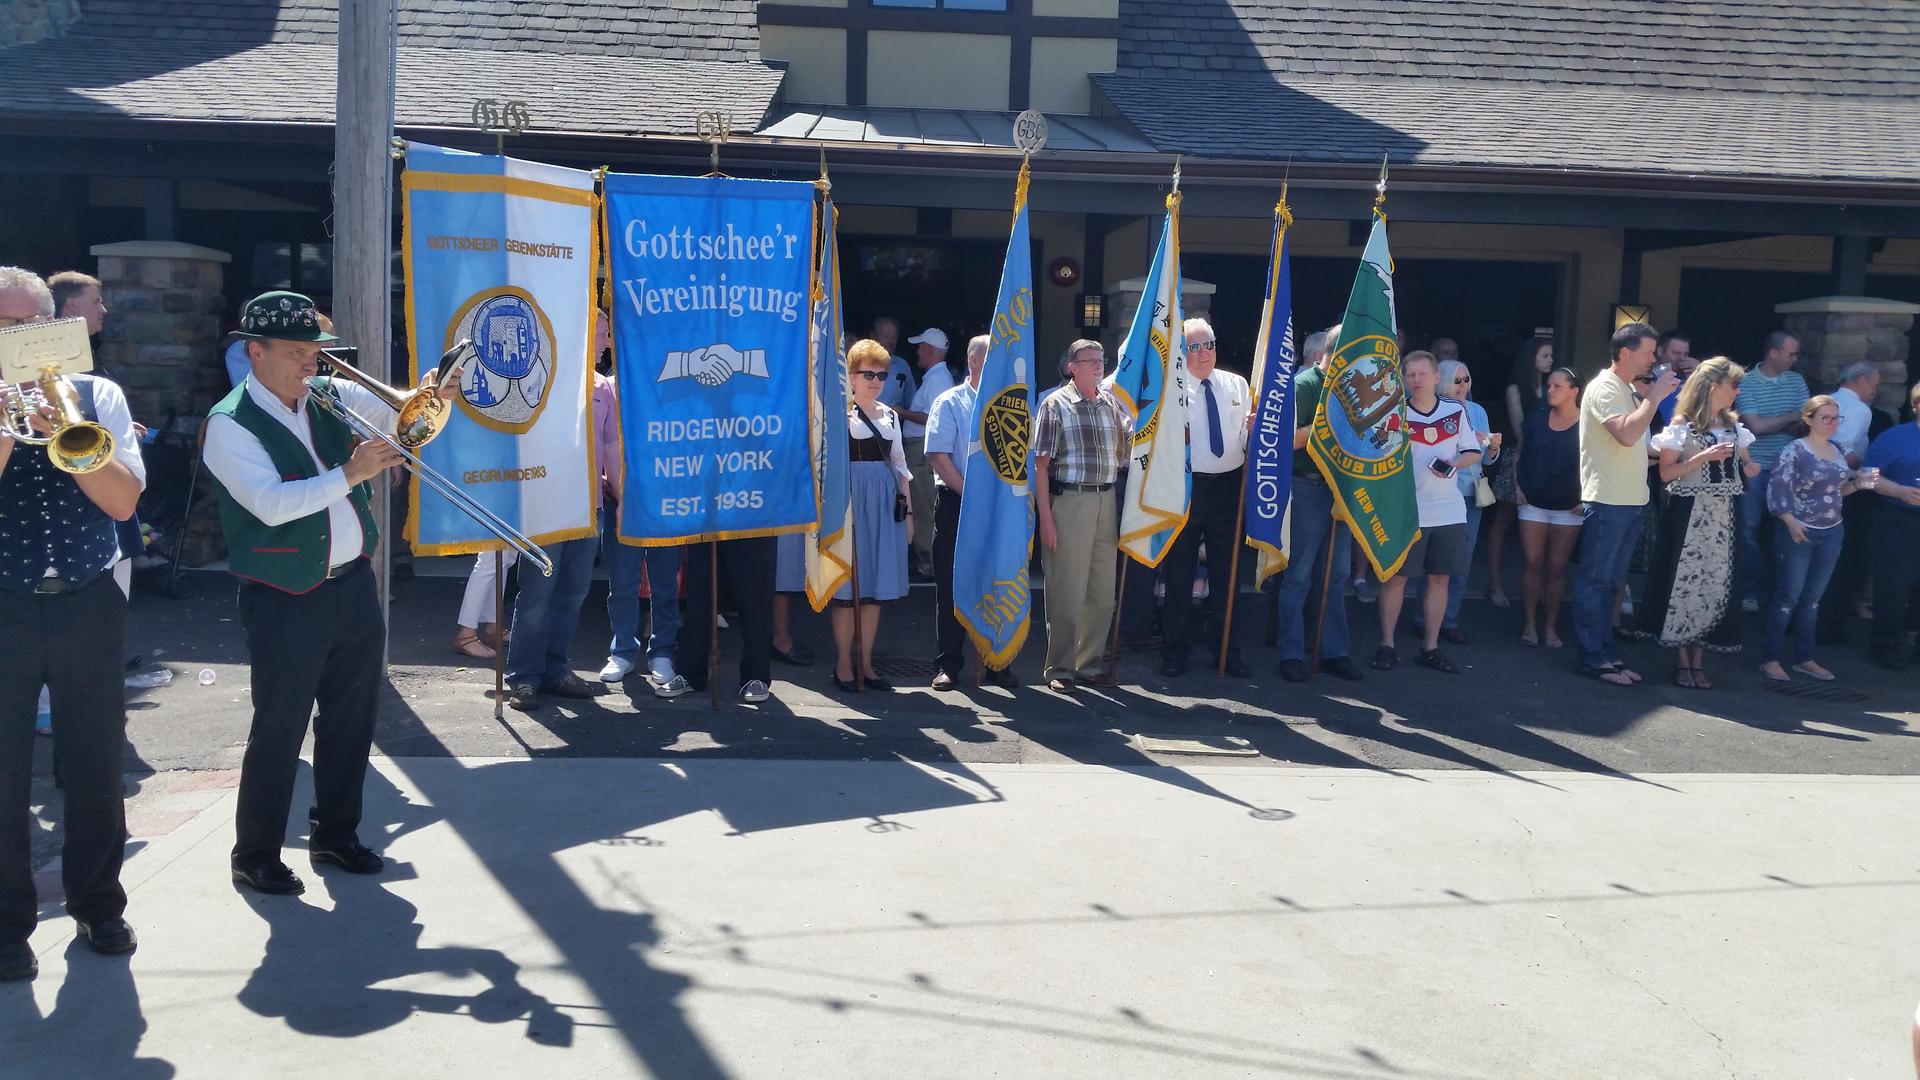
[[1613, 485]]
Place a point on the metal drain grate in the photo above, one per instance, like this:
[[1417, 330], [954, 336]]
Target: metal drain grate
[[1806, 691], [903, 667]]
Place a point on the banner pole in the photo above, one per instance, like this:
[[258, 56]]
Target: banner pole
[[853, 585], [713, 623], [499, 621], [1119, 609], [1233, 572], [1335, 535]]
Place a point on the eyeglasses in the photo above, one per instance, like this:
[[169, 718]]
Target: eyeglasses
[[1200, 346], [875, 376], [1826, 418], [1096, 358], [1463, 379]]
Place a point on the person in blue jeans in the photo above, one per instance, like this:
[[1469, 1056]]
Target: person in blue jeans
[[624, 563], [1771, 398], [1804, 496], [545, 615], [1300, 599], [1613, 486]]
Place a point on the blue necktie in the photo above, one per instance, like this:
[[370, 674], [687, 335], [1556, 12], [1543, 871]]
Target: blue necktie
[[1214, 441]]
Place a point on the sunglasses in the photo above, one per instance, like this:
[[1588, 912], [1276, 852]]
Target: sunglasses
[[876, 376], [1200, 346]]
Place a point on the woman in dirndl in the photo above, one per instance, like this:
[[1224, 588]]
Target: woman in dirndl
[[1704, 464], [882, 516]]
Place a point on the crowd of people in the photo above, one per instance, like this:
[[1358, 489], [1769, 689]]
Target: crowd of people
[[1743, 492]]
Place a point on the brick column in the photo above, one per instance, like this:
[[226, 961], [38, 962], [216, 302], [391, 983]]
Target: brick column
[[1836, 331], [162, 340]]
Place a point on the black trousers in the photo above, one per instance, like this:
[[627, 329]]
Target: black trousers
[[1896, 570], [320, 647], [1210, 520], [747, 574], [74, 644], [952, 639]]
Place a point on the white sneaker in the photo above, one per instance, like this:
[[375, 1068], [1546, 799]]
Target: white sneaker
[[616, 669], [754, 691], [671, 688]]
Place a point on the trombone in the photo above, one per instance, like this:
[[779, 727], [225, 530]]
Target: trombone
[[422, 416]]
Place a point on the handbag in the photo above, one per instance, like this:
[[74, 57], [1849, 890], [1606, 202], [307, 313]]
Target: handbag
[[1482, 493]]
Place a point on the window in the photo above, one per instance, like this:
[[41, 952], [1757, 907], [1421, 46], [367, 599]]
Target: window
[[949, 5]]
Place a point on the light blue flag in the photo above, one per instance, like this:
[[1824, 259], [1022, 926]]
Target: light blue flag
[[830, 543], [992, 596], [501, 252], [1269, 487], [1150, 379], [712, 315]]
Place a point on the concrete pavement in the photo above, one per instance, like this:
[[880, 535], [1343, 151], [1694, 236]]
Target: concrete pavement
[[691, 918]]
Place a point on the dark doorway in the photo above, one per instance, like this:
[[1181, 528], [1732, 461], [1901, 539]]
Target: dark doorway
[[923, 281]]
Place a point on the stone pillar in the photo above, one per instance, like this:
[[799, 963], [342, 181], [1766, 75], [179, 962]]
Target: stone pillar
[[1123, 300], [162, 340], [1836, 331]]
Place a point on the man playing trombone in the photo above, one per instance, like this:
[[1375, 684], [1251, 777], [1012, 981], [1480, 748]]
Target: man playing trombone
[[295, 508]]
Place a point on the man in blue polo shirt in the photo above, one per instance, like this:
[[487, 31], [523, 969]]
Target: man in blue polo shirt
[[1769, 406], [1896, 521]]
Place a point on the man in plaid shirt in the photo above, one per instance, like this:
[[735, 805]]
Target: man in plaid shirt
[[1081, 437]]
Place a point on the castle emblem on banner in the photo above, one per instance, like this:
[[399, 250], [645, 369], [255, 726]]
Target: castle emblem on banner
[[514, 339]]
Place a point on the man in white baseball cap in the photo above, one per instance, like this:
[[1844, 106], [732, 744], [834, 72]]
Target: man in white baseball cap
[[936, 378]]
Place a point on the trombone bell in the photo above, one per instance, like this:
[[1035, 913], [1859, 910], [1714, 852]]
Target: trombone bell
[[421, 413]]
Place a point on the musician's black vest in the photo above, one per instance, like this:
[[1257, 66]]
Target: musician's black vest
[[47, 522]]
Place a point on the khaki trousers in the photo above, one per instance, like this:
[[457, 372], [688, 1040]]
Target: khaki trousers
[[1080, 579], [920, 498]]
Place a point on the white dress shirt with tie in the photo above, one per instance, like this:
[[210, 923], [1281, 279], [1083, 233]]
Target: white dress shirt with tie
[[1232, 400], [238, 460]]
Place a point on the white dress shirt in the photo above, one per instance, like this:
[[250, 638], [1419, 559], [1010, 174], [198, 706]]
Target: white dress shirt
[[241, 463], [937, 380], [1856, 417], [1231, 394]]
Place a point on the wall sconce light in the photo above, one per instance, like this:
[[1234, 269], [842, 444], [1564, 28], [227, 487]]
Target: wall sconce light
[[1093, 310]]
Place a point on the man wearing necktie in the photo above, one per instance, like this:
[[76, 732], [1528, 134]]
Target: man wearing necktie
[[1218, 407]]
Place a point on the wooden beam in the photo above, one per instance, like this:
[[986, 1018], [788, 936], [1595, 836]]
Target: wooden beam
[[363, 210]]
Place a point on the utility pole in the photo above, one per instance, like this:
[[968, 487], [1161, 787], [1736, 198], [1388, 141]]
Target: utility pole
[[363, 214]]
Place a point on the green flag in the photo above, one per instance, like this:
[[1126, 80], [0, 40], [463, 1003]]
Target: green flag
[[1359, 436]]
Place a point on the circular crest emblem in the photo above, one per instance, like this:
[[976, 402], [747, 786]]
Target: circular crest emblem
[[1006, 433], [514, 341], [1364, 380]]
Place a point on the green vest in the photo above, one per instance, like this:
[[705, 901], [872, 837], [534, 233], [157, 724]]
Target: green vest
[[293, 557]]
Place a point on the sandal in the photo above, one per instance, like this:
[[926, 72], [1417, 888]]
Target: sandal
[[1385, 658], [468, 644], [1553, 642], [1610, 675], [1530, 639], [1775, 673], [1683, 678], [1499, 599], [1700, 681], [1434, 659], [1812, 670]]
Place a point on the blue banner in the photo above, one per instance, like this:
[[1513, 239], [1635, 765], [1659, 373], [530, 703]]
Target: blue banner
[[711, 314], [992, 596], [1269, 488]]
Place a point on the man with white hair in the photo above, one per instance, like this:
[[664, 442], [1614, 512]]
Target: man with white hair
[[1219, 407], [1859, 383], [57, 579]]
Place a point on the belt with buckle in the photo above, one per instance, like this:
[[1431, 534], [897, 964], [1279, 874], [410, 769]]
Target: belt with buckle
[[1065, 486], [57, 586], [345, 568]]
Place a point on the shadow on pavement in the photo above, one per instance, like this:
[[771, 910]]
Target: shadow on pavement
[[94, 1029]]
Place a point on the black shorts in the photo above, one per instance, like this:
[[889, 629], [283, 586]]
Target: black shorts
[[1441, 549]]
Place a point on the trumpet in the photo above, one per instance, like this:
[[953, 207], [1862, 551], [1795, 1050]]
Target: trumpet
[[77, 445], [423, 415]]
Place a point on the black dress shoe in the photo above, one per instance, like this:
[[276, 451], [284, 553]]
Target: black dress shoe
[[17, 962], [845, 685], [353, 858], [1237, 668], [799, 655], [1004, 678], [877, 684], [571, 686], [1341, 667], [108, 937], [943, 681], [1172, 667], [272, 878], [1294, 671]]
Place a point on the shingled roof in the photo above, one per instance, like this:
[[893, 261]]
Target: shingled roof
[[640, 67], [1678, 87]]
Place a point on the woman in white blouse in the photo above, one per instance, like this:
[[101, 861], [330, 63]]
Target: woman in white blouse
[[882, 515], [1704, 464]]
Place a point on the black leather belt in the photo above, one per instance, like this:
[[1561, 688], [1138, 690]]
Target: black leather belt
[[56, 586], [1064, 486], [336, 572]]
